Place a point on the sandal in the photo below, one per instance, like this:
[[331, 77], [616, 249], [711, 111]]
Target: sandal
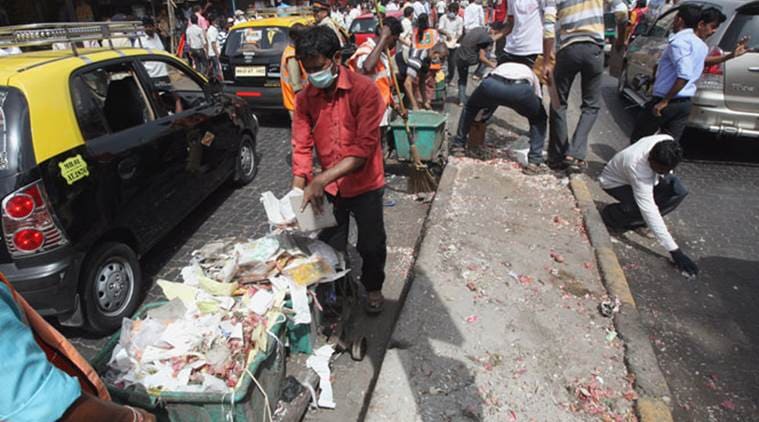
[[575, 165], [375, 302]]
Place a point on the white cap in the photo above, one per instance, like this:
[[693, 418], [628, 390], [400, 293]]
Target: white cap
[[239, 12]]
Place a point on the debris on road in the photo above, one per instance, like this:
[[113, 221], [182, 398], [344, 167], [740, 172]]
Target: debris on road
[[609, 306]]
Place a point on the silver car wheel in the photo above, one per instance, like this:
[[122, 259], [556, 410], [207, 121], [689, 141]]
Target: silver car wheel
[[247, 160], [114, 286]]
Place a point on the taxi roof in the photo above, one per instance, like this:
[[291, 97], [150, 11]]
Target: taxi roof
[[286, 21], [60, 60]]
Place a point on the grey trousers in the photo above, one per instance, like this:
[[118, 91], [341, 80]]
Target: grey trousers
[[585, 58]]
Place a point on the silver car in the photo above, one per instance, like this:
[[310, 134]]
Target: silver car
[[727, 100]]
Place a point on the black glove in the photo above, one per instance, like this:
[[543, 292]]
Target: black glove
[[684, 263]]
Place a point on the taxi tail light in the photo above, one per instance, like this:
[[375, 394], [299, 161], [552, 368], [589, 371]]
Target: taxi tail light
[[712, 78], [28, 225]]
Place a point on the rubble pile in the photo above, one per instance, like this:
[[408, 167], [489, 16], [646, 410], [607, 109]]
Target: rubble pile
[[222, 314]]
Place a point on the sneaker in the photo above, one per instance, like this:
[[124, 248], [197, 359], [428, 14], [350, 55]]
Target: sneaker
[[533, 169]]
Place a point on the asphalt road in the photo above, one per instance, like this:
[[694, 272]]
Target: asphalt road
[[705, 331]]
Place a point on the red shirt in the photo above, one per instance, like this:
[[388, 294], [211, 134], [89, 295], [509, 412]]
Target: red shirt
[[345, 125], [500, 11]]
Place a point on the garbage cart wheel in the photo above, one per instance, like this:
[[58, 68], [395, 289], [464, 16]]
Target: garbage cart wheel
[[111, 286], [358, 348]]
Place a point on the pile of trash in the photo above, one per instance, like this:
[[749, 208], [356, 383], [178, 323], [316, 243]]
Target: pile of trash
[[221, 315]]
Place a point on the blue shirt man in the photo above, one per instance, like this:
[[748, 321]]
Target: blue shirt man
[[33, 389], [682, 59]]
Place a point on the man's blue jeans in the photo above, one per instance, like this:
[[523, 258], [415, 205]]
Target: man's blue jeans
[[517, 95]]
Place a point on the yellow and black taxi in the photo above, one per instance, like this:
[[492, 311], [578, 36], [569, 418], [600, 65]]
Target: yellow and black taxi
[[102, 152], [250, 59]]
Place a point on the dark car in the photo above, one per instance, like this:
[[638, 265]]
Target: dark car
[[250, 60], [102, 153]]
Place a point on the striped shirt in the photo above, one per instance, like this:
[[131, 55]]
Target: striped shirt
[[579, 20]]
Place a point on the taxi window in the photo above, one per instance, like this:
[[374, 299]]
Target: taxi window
[[256, 41], [363, 26], [663, 26], [109, 100], [173, 89]]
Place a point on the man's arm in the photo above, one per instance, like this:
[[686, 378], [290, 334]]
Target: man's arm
[[644, 197], [549, 39], [676, 87], [621, 14], [485, 60], [740, 49], [509, 24], [302, 143], [294, 76], [370, 63]]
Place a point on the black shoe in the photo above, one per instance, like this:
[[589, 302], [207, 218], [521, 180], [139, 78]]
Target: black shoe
[[557, 165]]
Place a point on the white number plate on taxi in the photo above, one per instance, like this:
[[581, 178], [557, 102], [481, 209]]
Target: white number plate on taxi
[[250, 71]]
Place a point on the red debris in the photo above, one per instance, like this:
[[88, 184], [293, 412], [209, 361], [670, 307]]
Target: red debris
[[727, 405], [512, 416], [525, 279], [557, 257], [471, 285], [471, 319], [588, 265]]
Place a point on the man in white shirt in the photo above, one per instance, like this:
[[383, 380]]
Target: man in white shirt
[[352, 15], [640, 178], [451, 26], [512, 85], [214, 49], [418, 8], [524, 32], [474, 15], [151, 41], [391, 6], [196, 41]]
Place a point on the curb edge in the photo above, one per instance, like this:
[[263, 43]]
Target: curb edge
[[640, 359]]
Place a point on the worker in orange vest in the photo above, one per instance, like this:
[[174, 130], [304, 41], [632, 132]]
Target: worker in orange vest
[[292, 77], [44, 378]]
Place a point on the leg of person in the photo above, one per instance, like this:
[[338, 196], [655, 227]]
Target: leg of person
[[463, 70], [646, 124], [337, 238], [368, 211], [591, 70], [499, 50], [564, 73], [468, 112], [451, 65], [669, 193], [624, 215], [675, 118], [524, 101]]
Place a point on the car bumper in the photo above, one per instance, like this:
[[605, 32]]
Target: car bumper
[[709, 113], [258, 98], [49, 284]]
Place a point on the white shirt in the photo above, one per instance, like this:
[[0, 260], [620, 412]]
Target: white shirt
[[155, 69], [391, 6], [474, 16], [212, 37], [454, 27], [630, 167], [526, 37], [517, 71], [353, 14], [195, 37], [338, 17], [418, 8], [440, 6]]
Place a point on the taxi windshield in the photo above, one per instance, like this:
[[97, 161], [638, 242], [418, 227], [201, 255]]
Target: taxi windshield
[[256, 41]]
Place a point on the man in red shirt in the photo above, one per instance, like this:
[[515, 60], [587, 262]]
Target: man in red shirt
[[338, 113]]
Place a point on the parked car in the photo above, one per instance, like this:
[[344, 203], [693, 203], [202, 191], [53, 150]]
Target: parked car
[[250, 60], [727, 100], [102, 153], [363, 27]]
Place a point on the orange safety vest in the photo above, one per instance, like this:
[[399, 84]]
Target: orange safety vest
[[58, 350], [381, 74], [429, 39], [288, 94]]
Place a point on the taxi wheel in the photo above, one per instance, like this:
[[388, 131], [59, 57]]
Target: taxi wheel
[[111, 286], [246, 162]]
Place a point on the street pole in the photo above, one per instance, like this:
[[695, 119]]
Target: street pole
[[172, 25]]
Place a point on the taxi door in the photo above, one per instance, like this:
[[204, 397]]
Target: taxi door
[[137, 168], [194, 117]]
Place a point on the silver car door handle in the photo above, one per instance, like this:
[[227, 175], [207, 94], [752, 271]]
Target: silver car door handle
[[753, 69]]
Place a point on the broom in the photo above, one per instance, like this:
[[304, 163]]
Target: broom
[[420, 179]]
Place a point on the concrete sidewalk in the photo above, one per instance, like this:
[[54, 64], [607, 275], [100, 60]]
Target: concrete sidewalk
[[501, 319]]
